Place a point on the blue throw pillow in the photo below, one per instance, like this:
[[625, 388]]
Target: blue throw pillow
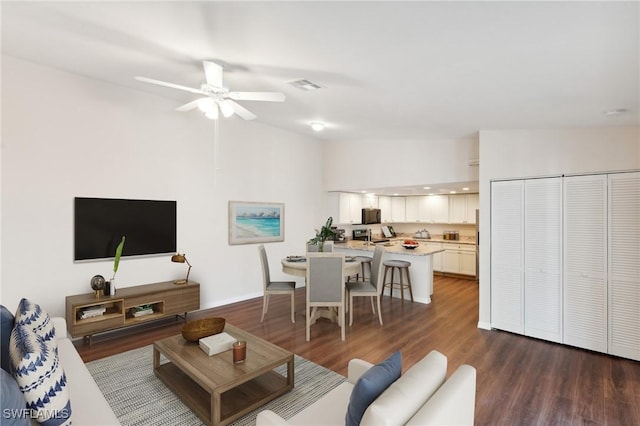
[[14, 412], [6, 325], [370, 385], [37, 319], [40, 376]]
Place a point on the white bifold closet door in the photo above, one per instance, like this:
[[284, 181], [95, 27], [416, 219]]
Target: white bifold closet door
[[507, 251], [624, 265], [585, 262], [543, 258]]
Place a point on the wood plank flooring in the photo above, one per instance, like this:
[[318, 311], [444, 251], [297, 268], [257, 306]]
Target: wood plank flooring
[[521, 381]]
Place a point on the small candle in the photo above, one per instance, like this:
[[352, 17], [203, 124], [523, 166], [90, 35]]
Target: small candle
[[239, 351]]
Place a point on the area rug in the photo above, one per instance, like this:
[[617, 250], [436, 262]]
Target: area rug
[[138, 397]]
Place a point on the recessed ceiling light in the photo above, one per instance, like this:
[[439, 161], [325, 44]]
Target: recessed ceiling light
[[317, 126], [614, 112]]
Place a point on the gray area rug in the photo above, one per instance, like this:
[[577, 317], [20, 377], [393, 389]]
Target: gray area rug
[[138, 397]]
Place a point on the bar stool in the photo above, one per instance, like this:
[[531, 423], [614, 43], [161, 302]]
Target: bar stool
[[399, 265], [364, 260]]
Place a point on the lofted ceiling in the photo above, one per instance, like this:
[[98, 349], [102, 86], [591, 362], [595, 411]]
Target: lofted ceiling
[[387, 69]]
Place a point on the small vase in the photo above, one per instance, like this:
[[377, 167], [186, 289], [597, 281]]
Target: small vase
[[112, 287], [320, 246]]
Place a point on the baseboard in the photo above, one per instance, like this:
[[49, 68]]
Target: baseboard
[[484, 325]]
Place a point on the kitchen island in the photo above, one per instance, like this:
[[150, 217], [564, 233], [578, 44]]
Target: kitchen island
[[421, 259]]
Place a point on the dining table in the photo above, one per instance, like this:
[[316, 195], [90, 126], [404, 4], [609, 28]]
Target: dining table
[[297, 266]]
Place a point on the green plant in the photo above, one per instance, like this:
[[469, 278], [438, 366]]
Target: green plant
[[323, 234], [116, 260]]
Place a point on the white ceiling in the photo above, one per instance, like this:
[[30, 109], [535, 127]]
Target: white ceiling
[[402, 70]]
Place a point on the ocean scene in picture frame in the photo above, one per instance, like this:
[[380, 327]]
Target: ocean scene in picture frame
[[256, 222]]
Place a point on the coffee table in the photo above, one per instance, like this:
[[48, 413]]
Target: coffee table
[[217, 390]]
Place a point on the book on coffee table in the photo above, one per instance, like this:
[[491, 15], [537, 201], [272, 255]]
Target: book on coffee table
[[216, 343]]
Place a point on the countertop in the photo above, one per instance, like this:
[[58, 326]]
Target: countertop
[[394, 246]]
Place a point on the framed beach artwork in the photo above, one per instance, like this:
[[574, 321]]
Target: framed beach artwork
[[251, 223]]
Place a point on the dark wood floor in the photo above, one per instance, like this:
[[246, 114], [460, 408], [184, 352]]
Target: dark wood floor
[[521, 381]]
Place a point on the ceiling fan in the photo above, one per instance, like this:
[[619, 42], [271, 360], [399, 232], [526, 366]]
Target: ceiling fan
[[216, 97]]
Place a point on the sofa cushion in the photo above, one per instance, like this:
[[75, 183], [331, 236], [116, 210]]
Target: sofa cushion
[[370, 385], [6, 325], [40, 376], [407, 394], [13, 403], [37, 319]]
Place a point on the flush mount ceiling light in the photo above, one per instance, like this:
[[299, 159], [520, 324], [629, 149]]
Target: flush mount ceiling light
[[614, 112], [317, 126]]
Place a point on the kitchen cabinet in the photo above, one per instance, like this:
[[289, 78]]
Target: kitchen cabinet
[[350, 208], [434, 209], [459, 259], [384, 204], [398, 209], [462, 208], [412, 209], [437, 257], [369, 201]]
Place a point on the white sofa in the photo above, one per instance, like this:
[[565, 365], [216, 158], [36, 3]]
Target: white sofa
[[88, 405], [421, 396]]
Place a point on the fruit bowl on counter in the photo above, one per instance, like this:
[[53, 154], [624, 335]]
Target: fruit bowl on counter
[[410, 244]]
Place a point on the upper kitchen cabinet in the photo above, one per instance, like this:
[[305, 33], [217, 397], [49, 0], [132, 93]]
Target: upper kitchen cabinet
[[350, 208], [398, 209], [412, 209], [370, 201], [434, 209], [462, 208], [384, 204]]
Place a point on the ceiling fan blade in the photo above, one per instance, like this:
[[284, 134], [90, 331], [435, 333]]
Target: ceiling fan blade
[[240, 110], [213, 73], [172, 85], [257, 96], [191, 105]]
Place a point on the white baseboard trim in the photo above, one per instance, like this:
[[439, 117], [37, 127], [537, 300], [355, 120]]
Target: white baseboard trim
[[484, 325]]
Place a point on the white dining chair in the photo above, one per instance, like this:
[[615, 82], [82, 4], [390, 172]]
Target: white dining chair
[[325, 286], [371, 288], [274, 287]]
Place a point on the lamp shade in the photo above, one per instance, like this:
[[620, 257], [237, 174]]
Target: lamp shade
[[181, 258]]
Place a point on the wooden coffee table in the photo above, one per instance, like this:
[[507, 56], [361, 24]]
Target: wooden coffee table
[[216, 389]]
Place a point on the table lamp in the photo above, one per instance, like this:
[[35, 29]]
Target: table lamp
[[180, 258]]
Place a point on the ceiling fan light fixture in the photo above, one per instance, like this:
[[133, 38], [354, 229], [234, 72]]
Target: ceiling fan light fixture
[[318, 126], [206, 105], [226, 107], [213, 114]]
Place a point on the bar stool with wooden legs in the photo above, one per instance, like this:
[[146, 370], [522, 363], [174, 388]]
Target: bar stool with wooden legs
[[400, 266], [364, 260]]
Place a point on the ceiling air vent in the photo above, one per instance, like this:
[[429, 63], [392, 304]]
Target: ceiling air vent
[[305, 85]]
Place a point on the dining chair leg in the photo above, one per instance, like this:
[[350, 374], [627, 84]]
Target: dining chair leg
[[265, 306], [379, 311], [350, 309], [373, 309], [308, 323], [293, 311], [342, 326]]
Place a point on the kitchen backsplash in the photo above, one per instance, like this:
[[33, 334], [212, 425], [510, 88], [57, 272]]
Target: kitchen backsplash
[[466, 232]]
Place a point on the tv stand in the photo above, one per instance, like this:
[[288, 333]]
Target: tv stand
[[87, 314]]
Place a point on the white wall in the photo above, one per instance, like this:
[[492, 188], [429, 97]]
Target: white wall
[[354, 165], [64, 136], [528, 153]]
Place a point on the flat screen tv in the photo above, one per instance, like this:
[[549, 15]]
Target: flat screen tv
[[99, 224]]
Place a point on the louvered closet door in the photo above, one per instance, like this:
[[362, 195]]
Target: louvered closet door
[[506, 256], [585, 262], [543, 259], [624, 265]]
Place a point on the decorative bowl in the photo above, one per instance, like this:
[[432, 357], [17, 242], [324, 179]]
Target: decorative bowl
[[410, 246], [196, 330]]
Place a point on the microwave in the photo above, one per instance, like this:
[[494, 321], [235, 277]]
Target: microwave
[[370, 216]]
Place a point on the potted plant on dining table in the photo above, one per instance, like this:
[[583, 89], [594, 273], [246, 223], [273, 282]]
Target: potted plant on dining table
[[323, 234]]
